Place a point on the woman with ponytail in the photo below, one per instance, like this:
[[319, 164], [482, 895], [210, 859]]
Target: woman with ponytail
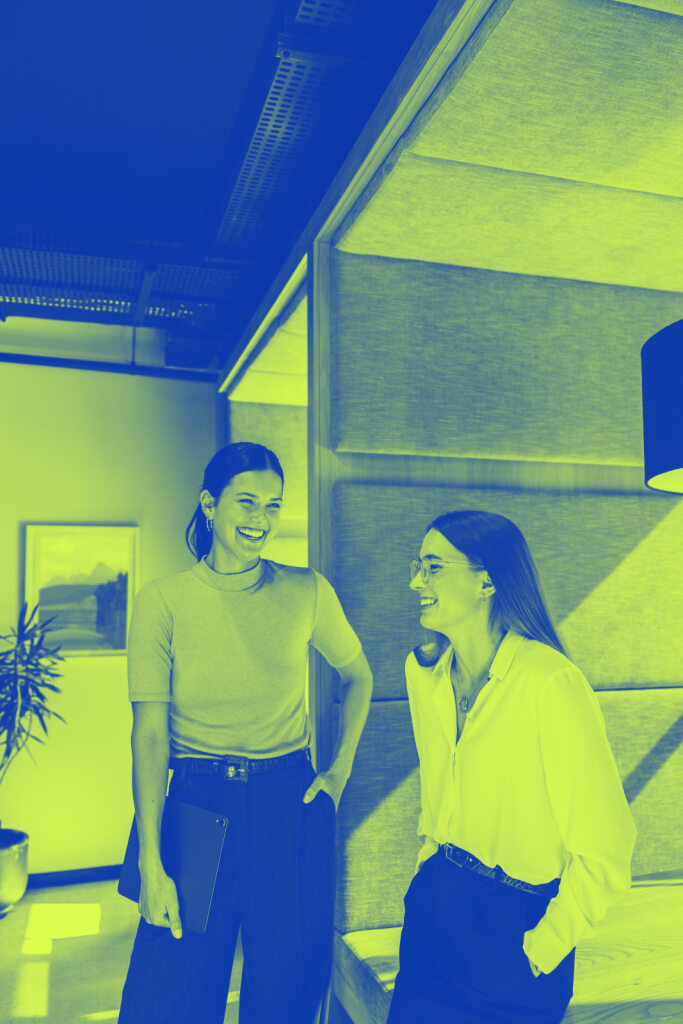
[[527, 834], [217, 660]]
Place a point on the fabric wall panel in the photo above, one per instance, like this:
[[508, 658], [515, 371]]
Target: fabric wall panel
[[476, 363], [610, 565], [521, 223], [645, 730], [377, 843], [528, 104]]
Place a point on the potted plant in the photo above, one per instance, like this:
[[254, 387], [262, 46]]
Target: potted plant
[[27, 668]]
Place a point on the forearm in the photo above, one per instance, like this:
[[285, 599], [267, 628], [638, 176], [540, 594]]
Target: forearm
[[150, 780], [354, 712]]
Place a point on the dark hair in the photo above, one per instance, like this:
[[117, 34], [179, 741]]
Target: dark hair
[[493, 543], [240, 457]]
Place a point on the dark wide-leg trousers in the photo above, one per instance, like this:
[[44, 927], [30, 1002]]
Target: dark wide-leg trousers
[[461, 959], [276, 880]]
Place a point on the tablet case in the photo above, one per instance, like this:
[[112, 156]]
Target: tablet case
[[192, 841]]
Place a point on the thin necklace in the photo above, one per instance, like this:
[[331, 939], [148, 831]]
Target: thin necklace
[[219, 573], [466, 703]]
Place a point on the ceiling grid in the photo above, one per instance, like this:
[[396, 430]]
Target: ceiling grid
[[170, 196]]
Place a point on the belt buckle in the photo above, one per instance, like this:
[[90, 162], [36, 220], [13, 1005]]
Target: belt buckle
[[236, 769], [451, 855]]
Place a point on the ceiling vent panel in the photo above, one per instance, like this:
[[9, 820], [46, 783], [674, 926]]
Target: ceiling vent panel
[[325, 13], [68, 269], [296, 96], [342, 15], [200, 317], [204, 282], [37, 298]]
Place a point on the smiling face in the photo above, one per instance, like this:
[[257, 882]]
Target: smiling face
[[452, 596], [246, 514]]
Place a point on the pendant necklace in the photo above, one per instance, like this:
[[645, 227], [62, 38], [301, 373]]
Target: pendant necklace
[[466, 703]]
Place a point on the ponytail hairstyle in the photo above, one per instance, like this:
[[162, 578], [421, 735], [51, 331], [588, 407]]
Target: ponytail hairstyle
[[494, 544], [240, 457]]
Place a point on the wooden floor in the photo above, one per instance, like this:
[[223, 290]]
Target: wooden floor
[[64, 954]]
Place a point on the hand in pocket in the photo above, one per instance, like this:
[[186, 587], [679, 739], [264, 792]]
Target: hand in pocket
[[328, 783]]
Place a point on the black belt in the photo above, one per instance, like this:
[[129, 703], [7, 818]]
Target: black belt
[[237, 768], [467, 860]]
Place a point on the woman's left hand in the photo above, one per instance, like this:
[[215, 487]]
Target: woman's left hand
[[331, 782]]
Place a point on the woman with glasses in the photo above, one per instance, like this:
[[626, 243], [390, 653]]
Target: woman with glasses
[[527, 834], [217, 661]]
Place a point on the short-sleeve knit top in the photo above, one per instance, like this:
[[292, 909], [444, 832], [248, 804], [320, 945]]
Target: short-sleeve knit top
[[228, 652]]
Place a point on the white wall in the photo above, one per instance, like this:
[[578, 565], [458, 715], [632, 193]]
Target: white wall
[[90, 447]]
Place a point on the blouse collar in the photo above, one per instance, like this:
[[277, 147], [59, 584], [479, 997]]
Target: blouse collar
[[500, 665]]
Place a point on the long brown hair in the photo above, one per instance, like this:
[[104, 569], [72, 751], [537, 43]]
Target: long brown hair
[[494, 544]]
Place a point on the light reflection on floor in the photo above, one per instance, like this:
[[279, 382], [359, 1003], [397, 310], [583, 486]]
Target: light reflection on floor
[[64, 954], [31, 991]]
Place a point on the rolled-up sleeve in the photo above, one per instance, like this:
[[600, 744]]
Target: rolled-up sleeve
[[150, 642], [592, 815], [331, 633]]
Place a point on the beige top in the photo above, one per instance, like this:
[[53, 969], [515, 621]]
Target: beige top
[[229, 654]]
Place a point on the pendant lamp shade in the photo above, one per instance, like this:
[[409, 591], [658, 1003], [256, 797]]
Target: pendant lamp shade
[[662, 367]]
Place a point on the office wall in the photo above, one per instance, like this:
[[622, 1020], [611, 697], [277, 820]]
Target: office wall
[[89, 447]]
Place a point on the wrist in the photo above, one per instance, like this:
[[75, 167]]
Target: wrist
[[341, 767], [149, 861]]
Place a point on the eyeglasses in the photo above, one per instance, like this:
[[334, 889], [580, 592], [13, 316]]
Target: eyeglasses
[[424, 568]]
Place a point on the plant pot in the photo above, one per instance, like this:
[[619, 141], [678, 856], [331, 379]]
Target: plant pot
[[13, 867]]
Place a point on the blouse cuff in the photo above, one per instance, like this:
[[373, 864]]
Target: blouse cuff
[[427, 850], [544, 947]]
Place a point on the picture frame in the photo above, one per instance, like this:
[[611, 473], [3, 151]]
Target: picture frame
[[85, 576]]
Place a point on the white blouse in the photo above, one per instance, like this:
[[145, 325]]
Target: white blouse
[[531, 784]]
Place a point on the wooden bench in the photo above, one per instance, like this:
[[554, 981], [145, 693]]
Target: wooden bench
[[628, 971]]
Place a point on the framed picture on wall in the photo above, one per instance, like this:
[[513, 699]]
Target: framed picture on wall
[[84, 576]]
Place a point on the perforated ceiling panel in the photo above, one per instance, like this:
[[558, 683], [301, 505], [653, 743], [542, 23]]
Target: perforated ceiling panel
[[284, 127], [31, 267], [51, 301], [204, 282], [200, 318], [187, 299], [344, 15], [327, 13]]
